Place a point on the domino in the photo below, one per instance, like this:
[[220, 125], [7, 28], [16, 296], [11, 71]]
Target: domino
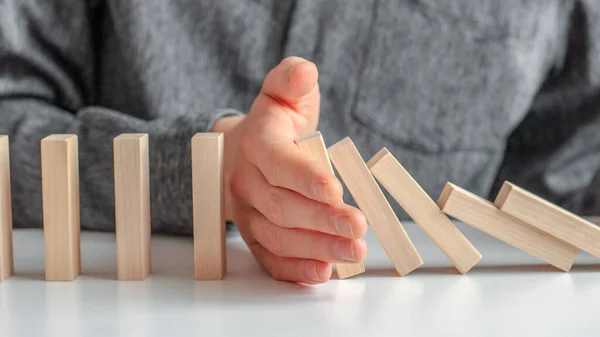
[[208, 206], [314, 146], [423, 210], [549, 218], [60, 197], [361, 184], [132, 206], [484, 216], [6, 244]]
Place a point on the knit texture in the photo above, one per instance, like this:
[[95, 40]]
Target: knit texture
[[468, 91]]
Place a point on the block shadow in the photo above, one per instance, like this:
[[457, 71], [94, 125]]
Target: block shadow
[[490, 269]]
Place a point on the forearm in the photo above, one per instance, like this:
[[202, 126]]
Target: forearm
[[27, 121]]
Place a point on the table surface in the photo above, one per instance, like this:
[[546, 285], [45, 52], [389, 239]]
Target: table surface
[[509, 293]]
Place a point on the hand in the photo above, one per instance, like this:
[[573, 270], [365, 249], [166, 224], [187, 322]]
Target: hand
[[288, 209]]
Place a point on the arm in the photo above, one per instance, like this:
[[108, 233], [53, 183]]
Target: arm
[[47, 62], [555, 151]]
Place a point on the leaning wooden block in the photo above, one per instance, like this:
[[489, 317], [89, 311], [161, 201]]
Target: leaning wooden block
[[132, 206], [208, 206], [355, 174], [549, 218], [419, 206], [6, 245], [60, 194], [483, 215], [314, 146]]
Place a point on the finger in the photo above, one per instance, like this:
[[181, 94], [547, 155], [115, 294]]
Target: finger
[[298, 243], [280, 268], [289, 209], [283, 164], [289, 269], [294, 82]]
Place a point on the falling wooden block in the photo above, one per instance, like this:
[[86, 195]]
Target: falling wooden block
[[208, 205], [6, 245], [314, 146], [549, 218], [424, 211], [361, 184], [60, 194], [132, 206], [483, 215]]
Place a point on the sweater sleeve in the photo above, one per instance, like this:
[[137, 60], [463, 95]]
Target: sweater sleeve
[[47, 61], [555, 151]]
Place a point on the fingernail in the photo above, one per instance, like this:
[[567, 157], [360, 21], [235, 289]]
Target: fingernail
[[290, 69], [344, 251], [311, 271], [343, 226], [320, 191]]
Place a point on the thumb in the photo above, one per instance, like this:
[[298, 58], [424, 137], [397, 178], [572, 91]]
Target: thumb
[[294, 83]]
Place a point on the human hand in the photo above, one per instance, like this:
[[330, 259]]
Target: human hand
[[288, 208]]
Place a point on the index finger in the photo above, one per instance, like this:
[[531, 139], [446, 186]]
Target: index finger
[[284, 165]]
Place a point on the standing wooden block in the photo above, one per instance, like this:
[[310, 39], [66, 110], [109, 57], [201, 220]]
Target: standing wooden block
[[132, 206], [6, 245], [374, 205], [314, 146], [419, 206], [208, 204], [60, 194], [483, 215], [549, 218]]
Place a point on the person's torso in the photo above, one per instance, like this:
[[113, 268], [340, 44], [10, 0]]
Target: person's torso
[[441, 84]]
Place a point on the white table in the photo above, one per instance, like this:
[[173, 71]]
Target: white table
[[508, 294]]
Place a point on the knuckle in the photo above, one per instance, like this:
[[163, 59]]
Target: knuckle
[[255, 248], [275, 159], [245, 144], [275, 208], [273, 240], [236, 185]]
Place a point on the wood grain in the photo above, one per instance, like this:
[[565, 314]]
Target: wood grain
[[6, 242], [549, 218], [208, 204], [423, 210], [314, 146], [132, 206], [380, 215], [483, 215], [60, 194]]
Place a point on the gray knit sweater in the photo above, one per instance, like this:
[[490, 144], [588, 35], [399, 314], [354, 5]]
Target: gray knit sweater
[[468, 91]]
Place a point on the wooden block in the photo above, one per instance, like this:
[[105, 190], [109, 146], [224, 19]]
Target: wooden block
[[132, 206], [60, 194], [314, 146], [549, 218], [483, 215], [361, 184], [6, 244], [423, 210], [208, 204]]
